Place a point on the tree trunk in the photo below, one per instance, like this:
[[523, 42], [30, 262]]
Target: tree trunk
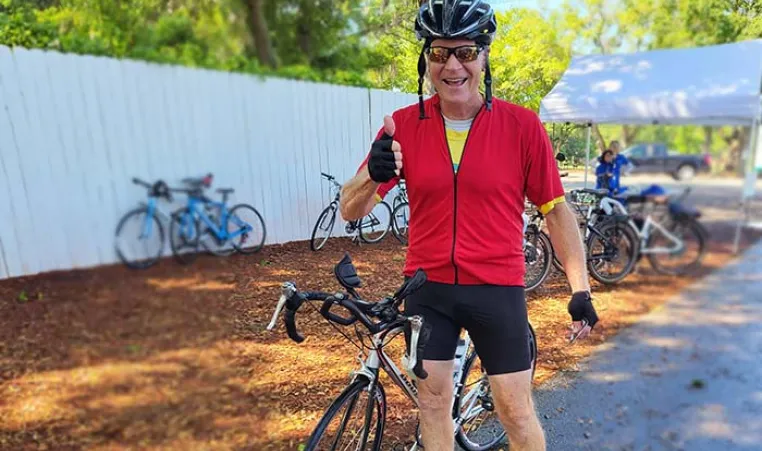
[[707, 147], [737, 142], [303, 31], [599, 139], [260, 33], [629, 134]]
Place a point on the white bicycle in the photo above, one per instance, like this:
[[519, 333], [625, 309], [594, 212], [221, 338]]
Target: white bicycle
[[365, 395]]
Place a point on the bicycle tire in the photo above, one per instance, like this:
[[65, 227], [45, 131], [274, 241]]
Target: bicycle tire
[[349, 394], [162, 239], [260, 222], [330, 209], [193, 243], [384, 206], [547, 254], [624, 230], [460, 436], [401, 237], [694, 227]]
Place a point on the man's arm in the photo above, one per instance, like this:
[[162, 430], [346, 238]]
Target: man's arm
[[358, 196], [567, 244], [361, 193]]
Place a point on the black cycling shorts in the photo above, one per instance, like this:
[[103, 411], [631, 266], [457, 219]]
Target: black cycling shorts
[[494, 316]]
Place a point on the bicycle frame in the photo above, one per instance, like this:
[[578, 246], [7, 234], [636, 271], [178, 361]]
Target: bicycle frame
[[153, 209], [610, 205], [219, 231], [378, 359]]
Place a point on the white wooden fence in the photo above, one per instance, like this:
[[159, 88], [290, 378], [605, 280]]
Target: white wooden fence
[[74, 130]]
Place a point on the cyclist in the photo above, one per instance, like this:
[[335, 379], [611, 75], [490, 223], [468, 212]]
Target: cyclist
[[468, 161]]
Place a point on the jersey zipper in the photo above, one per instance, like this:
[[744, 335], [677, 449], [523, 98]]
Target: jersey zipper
[[455, 184]]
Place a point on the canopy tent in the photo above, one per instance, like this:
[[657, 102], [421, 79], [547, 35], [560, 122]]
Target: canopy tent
[[712, 85]]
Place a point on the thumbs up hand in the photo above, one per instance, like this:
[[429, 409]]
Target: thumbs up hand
[[385, 160]]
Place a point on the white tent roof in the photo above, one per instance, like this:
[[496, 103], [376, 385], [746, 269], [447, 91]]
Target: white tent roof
[[712, 85]]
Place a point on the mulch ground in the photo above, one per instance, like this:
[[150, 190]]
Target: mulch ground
[[177, 357]]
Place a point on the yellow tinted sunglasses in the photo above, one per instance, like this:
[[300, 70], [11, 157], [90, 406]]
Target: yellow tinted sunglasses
[[464, 53]]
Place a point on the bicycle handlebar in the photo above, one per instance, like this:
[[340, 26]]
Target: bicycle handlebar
[[385, 310], [143, 183]]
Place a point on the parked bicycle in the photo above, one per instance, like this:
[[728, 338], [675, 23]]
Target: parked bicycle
[[147, 218], [372, 228], [382, 322], [210, 224]]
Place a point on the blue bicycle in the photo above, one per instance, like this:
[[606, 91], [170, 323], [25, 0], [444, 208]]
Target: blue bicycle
[[206, 223], [144, 222]]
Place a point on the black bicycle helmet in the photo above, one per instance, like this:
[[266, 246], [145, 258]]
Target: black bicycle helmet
[[454, 19]]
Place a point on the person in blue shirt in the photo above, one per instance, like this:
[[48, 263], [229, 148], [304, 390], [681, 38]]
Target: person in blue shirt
[[620, 163], [604, 173]]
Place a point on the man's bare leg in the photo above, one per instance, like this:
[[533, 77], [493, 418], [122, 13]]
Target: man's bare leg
[[512, 393], [435, 398]]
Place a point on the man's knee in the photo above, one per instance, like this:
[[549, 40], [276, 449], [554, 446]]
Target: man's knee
[[513, 395], [435, 392]]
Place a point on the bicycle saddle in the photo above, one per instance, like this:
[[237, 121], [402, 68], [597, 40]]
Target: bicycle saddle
[[346, 273], [595, 192], [198, 181]]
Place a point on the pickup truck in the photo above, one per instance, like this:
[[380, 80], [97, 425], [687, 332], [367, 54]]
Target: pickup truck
[[654, 158]]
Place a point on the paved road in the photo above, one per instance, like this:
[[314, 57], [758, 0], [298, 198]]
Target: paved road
[[687, 377]]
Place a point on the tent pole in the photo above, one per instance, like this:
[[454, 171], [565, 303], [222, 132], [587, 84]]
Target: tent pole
[[587, 152], [749, 182]]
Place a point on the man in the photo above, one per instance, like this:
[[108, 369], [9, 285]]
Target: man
[[468, 161]]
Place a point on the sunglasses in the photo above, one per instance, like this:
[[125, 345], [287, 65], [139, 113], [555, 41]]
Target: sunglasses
[[464, 53]]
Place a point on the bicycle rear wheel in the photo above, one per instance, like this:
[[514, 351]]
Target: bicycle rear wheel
[[184, 233], [247, 218], [150, 235], [694, 246], [375, 226], [342, 434]]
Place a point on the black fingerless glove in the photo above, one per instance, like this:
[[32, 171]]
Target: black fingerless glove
[[581, 307], [381, 164]]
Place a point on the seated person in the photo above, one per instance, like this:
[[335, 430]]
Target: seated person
[[604, 173]]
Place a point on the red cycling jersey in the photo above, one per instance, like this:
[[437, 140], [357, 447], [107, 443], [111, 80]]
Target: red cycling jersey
[[466, 227]]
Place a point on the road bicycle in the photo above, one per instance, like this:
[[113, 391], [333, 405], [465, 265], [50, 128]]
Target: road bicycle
[[370, 229], [147, 217], [382, 322], [210, 224]]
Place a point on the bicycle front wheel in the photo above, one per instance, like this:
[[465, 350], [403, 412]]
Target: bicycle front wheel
[[355, 420], [612, 252], [375, 226], [149, 232], [323, 228]]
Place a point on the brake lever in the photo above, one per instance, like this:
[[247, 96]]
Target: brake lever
[[573, 335], [286, 291]]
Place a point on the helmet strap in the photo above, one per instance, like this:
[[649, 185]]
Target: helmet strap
[[488, 85], [421, 73]]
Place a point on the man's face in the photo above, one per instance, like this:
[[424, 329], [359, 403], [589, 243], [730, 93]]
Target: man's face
[[615, 147], [456, 80]]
